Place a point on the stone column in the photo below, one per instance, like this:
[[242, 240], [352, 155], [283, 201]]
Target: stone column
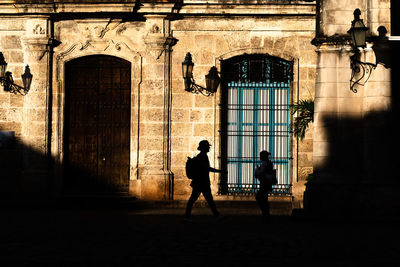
[[155, 113], [338, 114], [352, 140], [35, 115], [168, 174]]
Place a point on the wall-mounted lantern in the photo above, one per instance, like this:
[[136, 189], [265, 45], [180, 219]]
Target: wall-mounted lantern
[[358, 33], [7, 81], [212, 78]]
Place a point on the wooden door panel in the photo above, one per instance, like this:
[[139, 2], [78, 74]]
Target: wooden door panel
[[98, 122]]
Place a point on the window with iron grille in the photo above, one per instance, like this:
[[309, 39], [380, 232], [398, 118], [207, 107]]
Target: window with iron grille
[[255, 117]]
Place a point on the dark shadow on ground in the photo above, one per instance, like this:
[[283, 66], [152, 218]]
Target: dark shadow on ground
[[85, 237]]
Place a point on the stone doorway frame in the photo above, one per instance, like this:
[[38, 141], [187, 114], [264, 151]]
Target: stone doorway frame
[[76, 50]]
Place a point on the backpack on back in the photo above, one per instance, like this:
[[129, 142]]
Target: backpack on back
[[270, 178], [190, 167]]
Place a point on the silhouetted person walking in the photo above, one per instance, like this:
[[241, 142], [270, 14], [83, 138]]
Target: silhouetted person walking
[[201, 181], [261, 173]]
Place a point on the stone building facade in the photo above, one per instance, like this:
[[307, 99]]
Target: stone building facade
[[354, 142], [108, 96]]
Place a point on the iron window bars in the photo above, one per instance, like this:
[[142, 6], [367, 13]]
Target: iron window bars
[[255, 117]]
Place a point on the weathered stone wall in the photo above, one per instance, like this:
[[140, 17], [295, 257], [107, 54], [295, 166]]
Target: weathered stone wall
[[334, 100], [335, 15], [166, 122], [354, 144], [197, 117], [23, 42], [11, 106], [11, 45]]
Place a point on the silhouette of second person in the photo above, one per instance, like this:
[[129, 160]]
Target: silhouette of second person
[[201, 181], [265, 186]]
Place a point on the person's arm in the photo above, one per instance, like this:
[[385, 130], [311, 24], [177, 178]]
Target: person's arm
[[270, 167], [216, 170]]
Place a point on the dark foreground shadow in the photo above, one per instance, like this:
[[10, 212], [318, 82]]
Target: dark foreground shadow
[[115, 238], [29, 176]]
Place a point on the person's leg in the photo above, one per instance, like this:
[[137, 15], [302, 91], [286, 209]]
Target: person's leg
[[259, 200], [193, 197], [262, 201], [266, 203], [208, 196]]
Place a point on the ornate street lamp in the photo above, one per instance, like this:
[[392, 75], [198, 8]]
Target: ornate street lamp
[[7, 81], [212, 78], [358, 33]]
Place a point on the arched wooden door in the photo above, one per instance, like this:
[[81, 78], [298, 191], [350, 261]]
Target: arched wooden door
[[97, 124]]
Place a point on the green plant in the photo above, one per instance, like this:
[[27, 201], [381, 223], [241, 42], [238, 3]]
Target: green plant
[[305, 115]]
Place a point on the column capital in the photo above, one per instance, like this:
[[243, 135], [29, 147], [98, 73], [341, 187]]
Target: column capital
[[159, 42], [36, 46]]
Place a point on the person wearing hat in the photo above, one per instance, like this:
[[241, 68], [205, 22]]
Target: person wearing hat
[[265, 185], [201, 181]]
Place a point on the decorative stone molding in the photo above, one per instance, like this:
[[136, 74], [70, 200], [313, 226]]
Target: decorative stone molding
[[36, 27], [335, 39], [98, 46], [120, 47], [157, 43], [39, 30], [93, 30], [96, 40], [36, 46], [285, 55], [103, 45]]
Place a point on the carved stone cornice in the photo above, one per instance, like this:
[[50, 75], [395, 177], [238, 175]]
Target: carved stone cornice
[[36, 43], [157, 43], [335, 39], [36, 46]]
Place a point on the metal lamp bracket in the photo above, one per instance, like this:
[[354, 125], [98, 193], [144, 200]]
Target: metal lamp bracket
[[198, 89], [360, 71]]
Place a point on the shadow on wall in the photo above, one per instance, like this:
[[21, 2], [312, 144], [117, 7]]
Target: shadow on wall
[[28, 174], [24, 171], [360, 177]]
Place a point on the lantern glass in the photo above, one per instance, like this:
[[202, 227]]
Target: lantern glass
[[212, 80], [27, 78], [359, 34], [187, 67], [358, 31], [187, 71]]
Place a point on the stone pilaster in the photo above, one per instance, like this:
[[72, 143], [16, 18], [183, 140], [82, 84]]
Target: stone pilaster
[[156, 177], [353, 140], [35, 113]]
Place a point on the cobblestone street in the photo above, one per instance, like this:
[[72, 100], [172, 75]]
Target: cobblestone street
[[154, 237]]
